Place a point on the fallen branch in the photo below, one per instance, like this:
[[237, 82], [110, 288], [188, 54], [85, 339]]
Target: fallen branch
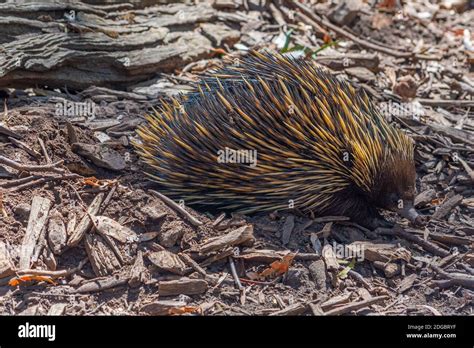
[[53, 274], [31, 167], [398, 231], [101, 284], [456, 278], [356, 305], [447, 102], [42, 180], [25, 147]]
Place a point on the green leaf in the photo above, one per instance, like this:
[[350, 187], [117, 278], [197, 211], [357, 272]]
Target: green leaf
[[287, 41], [323, 47], [343, 274]]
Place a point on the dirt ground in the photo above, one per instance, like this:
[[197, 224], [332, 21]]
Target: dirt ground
[[152, 257]]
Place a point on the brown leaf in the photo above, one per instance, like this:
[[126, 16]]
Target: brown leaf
[[28, 278], [184, 309], [278, 267]]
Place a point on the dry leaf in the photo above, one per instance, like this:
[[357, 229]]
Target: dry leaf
[[458, 32], [94, 182], [28, 278], [184, 309], [217, 51], [388, 4], [278, 267], [326, 38], [406, 87]]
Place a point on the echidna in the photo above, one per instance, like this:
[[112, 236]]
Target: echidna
[[321, 146]]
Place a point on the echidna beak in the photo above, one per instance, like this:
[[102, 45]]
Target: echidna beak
[[409, 212]]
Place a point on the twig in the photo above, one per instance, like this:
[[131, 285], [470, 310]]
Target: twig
[[53, 274], [446, 207], [43, 147], [234, 274], [276, 14], [179, 209], [44, 179], [358, 277], [107, 199], [468, 169], [456, 278], [249, 281], [447, 102], [356, 305], [96, 309], [81, 201], [4, 130], [190, 262], [25, 147], [52, 167], [398, 231], [431, 309], [20, 181]]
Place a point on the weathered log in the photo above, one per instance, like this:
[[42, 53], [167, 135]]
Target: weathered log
[[79, 45]]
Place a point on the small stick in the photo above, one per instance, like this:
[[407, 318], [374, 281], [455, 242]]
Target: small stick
[[5, 131], [42, 180], [447, 102], [107, 199], [25, 147], [398, 231], [53, 274], [51, 167], [456, 278], [179, 209], [234, 274], [256, 282], [20, 181], [78, 197], [355, 305], [43, 147], [468, 169], [277, 15], [358, 277], [190, 262]]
